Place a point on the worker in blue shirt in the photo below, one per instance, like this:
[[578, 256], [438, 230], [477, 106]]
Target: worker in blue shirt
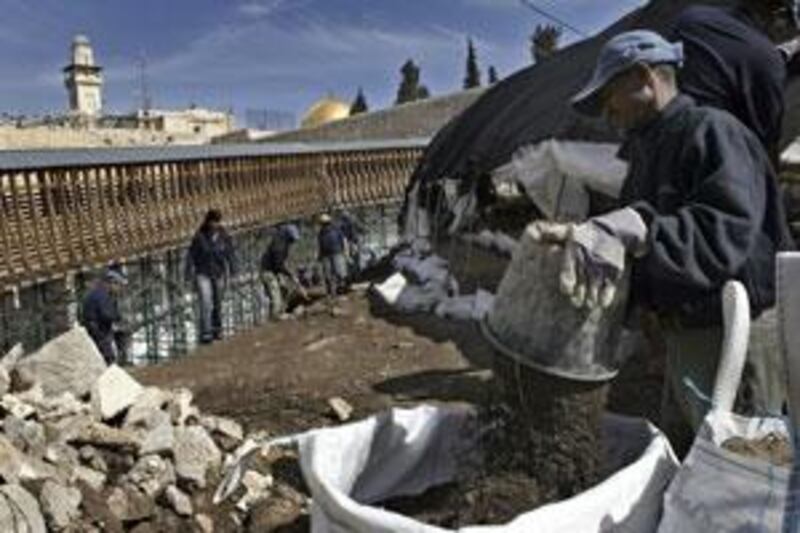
[[211, 262], [333, 250], [275, 272], [100, 313]]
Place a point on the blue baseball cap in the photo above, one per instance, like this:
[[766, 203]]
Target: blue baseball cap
[[618, 55]]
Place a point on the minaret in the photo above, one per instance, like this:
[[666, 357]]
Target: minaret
[[84, 80]]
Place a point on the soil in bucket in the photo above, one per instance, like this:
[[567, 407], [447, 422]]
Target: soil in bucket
[[772, 448], [543, 444]]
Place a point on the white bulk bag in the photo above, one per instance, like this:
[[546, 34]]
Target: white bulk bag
[[349, 469], [717, 490]]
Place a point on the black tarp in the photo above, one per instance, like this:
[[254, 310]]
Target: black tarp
[[533, 105]]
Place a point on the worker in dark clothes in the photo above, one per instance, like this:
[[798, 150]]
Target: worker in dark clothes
[[352, 231], [100, 313], [211, 262], [732, 63], [701, 208], [332, 255], [275, 273]]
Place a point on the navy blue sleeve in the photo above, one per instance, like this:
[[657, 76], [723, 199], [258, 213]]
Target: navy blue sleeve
[[707, 240]]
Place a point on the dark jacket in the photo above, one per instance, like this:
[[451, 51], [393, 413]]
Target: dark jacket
[[211, 256], [731, 64], [331, 240], [274, 259], [707, 192], [99, 312]]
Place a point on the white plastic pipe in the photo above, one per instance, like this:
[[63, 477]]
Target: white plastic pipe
[[736, 321]]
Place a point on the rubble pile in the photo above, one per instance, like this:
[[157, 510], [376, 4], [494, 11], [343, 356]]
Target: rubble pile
[[84, 447]]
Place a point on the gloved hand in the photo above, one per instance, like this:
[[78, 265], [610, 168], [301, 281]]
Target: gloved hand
[[594, 254]]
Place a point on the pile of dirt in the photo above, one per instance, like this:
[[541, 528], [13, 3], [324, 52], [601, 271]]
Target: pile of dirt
[[772, 448], [541, 444]]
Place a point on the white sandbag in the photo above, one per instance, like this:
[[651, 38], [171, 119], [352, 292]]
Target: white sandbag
[[557, 174], [391, 289], [467, 307], [405, 452], [719, 491]]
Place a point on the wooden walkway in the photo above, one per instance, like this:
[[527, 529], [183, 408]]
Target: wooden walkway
[[75, 209]]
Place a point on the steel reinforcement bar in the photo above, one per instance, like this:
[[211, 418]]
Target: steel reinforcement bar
[[63, 211]]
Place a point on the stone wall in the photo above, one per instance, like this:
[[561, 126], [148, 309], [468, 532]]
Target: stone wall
[[45, 137], [415, 119]]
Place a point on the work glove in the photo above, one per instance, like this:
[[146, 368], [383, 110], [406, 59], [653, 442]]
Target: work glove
[[594, 254]]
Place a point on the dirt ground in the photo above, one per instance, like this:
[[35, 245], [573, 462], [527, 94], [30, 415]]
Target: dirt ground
[[280, 376]]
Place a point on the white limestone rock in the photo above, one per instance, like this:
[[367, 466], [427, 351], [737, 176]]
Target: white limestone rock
[[227, 433], [181, 409], [60, 505], [114, 392], [69, 362], [150, 400], [159, 436], [195, 454], [152, 474], [26, 507], [257, 486], [180, 502]]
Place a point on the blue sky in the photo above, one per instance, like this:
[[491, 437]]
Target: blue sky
[[268, 54]]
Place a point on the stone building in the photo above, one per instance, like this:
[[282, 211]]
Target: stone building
[[84, 80]]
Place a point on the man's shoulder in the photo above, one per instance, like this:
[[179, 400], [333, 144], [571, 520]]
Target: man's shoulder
[[703, 14], [707, 122]]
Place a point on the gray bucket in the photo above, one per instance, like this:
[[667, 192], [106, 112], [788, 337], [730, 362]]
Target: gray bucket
[[533, 323]]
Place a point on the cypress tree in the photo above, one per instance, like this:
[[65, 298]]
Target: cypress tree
[[359, 104], [492, 75], [473, 76]]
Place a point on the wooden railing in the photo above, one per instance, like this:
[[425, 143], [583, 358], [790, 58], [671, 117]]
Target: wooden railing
[[58, 218]]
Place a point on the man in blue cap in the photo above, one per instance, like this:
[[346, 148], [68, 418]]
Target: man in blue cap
[[100, 312], [275, 272], [701, 207]]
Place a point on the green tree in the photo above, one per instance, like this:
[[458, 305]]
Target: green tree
[[410, 88], [359, 105], [473, 76], [492, 75], [544, 41]]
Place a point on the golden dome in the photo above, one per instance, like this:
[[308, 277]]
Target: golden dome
[[324, 111]]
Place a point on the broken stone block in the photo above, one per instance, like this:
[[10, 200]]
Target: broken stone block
[[60, 504], [179, 501], [92, 458], [94, 479], [102, 436], [27, 436], [14, 406], [26, 507], [114, 392], [257, 486], [62, 406], [341, 408], [69, 362], [204, 523], [151, 399], [227, 433], [129, 504], [61, 454], [195, 454], [11, 461], [152, 474], [181, 409], [5, 381], [159, 438]]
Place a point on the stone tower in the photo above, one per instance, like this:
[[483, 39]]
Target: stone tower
[[84, 80]]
